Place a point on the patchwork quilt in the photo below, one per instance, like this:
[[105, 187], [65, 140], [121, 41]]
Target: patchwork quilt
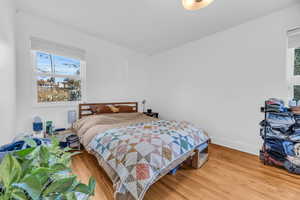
[[139, 152]]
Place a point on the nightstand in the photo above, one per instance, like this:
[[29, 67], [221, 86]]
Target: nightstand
[[67, 138], [152, 114]]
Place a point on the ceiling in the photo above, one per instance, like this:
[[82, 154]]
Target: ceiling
[[150, 26]]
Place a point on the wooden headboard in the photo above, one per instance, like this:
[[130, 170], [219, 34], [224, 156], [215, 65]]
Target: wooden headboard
[[85, 109]]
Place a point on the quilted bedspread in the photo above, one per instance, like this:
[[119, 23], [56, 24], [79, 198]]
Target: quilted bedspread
[[139, 152]]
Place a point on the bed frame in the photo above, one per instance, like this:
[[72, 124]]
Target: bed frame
[[85, 108]]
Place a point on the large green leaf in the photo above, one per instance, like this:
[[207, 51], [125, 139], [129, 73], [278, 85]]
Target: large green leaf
[[60, 167], [40, 156], [92, 185], [19, 194], [59, 185], [32, 185], [86, 189], [54, 142], [26, 167], [43, 174], [71, 196], [10, 170], [30, 142], [34, 155], [44, 156], [82, 188], [23, 153]]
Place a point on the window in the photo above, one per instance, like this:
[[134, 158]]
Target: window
[[294, 63], [296, 73], [57, 79]]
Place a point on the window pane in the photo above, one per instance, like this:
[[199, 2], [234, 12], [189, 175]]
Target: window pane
[[297, 92], [53, 89], [66, 66], [297, 62], [43, 62]]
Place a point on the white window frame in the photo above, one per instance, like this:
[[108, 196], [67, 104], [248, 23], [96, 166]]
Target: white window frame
[[292, 79], [35, 74], [292, 45]]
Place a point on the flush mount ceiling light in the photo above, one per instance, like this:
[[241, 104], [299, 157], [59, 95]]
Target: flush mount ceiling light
[[195, 4]]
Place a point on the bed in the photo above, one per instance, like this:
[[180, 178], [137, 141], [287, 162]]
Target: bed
[[136, 150]]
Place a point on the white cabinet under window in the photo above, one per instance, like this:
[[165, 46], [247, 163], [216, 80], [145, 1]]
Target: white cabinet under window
[[58, 73]]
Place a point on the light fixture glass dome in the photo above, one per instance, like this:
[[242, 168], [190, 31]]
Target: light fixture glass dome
[[195, 4]]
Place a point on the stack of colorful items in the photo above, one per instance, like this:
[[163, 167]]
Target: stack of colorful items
[[281, 133]]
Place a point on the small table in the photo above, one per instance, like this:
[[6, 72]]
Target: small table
[[152, 114], [63, 136]]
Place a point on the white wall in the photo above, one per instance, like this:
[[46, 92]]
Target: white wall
[[218, 82], [113, 73], [7, 71], [221, 81]]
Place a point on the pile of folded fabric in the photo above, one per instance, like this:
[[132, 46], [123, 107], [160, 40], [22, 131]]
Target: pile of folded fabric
[[275, 106], [297, 123], [281, 133]]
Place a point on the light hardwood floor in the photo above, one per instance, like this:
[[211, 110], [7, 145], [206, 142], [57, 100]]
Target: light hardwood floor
[[229, 174]]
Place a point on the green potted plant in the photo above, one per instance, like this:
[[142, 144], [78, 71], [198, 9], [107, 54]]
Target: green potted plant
[[41, 173]]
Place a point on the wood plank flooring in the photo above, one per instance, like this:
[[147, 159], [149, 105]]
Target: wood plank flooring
[[228, 175]]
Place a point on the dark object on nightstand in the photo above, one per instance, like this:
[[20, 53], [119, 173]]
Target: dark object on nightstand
[[152, 114], [66, 138]]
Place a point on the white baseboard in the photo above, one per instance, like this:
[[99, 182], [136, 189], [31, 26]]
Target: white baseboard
[[248, 148]]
